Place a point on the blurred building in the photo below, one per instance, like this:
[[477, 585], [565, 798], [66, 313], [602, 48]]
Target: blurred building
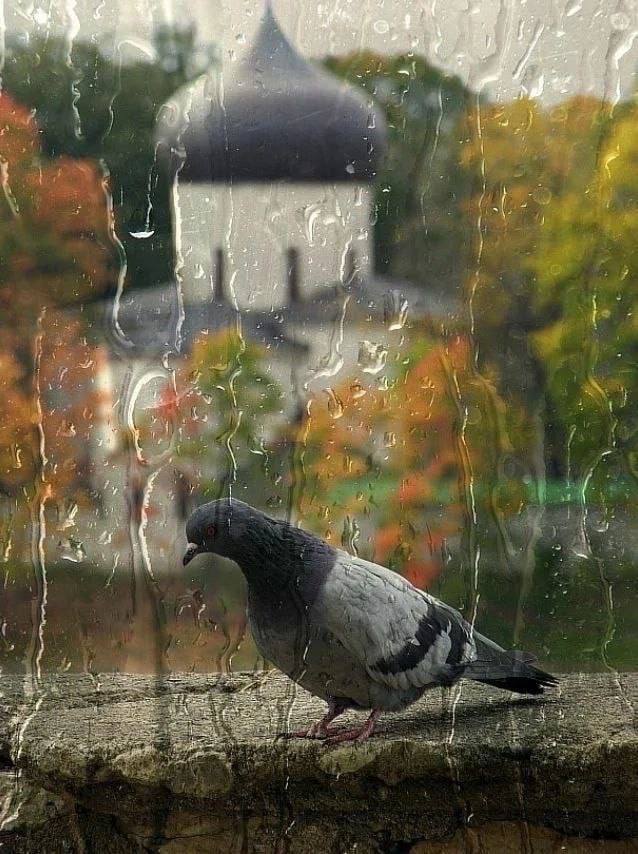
[[274, 162]]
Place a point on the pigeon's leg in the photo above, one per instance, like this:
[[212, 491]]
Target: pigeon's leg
[[320, 728], [360, 734]]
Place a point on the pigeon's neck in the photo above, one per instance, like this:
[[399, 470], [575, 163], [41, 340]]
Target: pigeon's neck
[[284, 557]]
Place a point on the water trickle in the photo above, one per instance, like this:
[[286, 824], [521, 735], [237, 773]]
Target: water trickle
[[350, 535], [311, 214], [395, 310], [335, 404]]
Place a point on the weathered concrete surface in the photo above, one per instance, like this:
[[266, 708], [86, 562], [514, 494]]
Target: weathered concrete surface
[[190, 764]]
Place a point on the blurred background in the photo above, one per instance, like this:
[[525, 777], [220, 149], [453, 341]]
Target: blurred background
[[370, 266]]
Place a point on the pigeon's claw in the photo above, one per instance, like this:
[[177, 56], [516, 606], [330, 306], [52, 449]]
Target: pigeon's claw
[[320, 729], [317, 731], [358, 734]]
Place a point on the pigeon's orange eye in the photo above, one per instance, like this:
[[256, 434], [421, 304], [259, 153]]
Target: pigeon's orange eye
[[210, 531]]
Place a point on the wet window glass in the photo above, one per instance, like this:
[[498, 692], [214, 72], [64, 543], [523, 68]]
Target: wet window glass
[[306, 308]]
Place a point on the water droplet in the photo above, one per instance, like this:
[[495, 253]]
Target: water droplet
[[533, 82], [573, 7], [68, 516], [542, 195], [372, 357], [390, 439], [620, 21], [357, 390], [310, 215], [72, 550], [142, 235], [381, 27], [350, 535], [40, 17], [395, 310], [335, 405], [67, 429]]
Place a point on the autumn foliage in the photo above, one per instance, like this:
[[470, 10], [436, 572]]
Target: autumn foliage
[[396, 456], [55, 253]]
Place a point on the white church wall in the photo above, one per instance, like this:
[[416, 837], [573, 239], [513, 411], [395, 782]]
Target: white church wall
[[256, 224]]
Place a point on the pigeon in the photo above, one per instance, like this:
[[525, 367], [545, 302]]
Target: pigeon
[[352, 632]]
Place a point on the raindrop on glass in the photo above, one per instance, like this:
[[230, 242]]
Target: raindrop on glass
[[335, 405], [390, 439], [395, 310], [350, 535], [372, 357]]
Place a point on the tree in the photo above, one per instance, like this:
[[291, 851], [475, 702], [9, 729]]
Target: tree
[[524, 159], [219, 411], [419, 233], [90, 105], [389, 465], [55, 252], [587, 263]]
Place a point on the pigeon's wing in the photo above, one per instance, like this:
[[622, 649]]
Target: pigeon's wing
[[401, 635]]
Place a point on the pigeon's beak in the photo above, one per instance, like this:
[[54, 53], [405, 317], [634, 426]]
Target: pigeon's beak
[[190, 553]]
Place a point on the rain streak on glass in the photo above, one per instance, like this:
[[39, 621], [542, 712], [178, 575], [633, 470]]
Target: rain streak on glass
[[366, 267]]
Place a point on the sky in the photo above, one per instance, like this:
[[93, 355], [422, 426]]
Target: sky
[[551, 49]]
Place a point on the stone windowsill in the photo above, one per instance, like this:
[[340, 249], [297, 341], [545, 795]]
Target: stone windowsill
[[190, 763]]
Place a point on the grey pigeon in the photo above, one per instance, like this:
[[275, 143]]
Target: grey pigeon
[[352, 632]]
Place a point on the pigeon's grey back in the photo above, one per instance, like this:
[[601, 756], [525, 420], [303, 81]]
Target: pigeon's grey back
[[404, 637]]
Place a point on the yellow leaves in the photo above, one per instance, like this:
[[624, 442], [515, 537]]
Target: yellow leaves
[[218, 353], [401, 433]]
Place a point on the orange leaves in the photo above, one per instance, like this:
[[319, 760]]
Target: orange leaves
[[60, 400], [391, 455], [17, 417], [68, 400], [19, 145], [68, 205], [54, 252], [58, 234]]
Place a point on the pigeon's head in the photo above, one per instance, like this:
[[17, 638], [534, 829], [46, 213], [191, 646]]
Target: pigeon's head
[[224, 527]]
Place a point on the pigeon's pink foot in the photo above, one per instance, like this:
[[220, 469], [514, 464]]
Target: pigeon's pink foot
[[358, 734], [319, 729]]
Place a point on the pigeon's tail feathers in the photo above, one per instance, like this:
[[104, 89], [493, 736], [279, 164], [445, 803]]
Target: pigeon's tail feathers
[[510, 670], [535, 683]]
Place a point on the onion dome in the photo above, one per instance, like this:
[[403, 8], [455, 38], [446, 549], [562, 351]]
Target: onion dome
[[274, 116]]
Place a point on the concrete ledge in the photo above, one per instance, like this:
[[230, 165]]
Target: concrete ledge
[[190, 763]]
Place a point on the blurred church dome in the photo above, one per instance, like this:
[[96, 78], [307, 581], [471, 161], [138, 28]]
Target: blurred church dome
[[273, 116]]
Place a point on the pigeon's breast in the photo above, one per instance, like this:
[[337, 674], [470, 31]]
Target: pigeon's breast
[[311, 657]]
